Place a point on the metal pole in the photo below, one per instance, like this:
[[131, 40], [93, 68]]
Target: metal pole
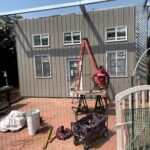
[[54, 7], [132, 114]]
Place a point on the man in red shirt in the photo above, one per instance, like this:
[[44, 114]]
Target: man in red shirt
[[101, 82], [102, 78]]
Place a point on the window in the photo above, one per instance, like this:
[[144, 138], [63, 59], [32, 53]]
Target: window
[[116, 34], [117, 63], [71, 38], [40, 40], [42, 66]]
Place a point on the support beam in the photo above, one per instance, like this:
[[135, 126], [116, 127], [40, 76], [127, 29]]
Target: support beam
[[148, 15], [8, 19], [145, 3], [52, 7], [83, 9]]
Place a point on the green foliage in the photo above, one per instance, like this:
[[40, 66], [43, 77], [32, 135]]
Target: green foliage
[[8, 60]]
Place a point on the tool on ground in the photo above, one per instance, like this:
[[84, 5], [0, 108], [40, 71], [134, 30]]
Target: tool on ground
[[47, 138], [62, 133], [84, 46]]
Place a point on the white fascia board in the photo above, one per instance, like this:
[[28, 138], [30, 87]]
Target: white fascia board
[[52, 7]]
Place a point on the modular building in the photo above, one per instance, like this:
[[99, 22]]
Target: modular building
[[48, 50]]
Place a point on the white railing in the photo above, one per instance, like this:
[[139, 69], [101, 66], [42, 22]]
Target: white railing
[[141, 99]]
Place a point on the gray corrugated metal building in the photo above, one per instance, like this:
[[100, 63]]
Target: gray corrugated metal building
[[48, 48]]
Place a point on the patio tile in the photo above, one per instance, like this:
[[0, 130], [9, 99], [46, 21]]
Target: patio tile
[[55, 112]]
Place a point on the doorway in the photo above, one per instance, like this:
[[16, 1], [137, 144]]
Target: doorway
[[72, 64]]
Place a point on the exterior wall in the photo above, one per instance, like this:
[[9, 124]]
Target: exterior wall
[[141, 41], [92, 26]]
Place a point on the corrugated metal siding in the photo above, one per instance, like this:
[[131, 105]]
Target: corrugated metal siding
[[92, 26], [141, 41]]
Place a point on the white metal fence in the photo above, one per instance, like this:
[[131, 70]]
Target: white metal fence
[[132, 118]]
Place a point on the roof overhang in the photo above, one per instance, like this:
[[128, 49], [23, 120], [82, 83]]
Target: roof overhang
[[57, 6]]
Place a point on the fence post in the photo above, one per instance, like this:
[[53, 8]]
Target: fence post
[[118, 127], [132, 115]]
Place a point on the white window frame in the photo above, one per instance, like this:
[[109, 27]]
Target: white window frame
[[40, 40], [72, 42], [50, 65], [115, 51], [116, 40]]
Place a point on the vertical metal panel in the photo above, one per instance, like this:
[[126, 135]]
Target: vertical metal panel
[[39, 50], [42, 25], [23, 58], [100, 48], [29, 53], [48, 82], [65, 85], [61, 65], [56, 55], [54, 63], [19, 63]]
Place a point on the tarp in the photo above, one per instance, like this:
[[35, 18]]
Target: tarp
[[14, 121]]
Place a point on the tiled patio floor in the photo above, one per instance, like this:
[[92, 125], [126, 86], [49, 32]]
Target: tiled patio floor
[[55, 112]]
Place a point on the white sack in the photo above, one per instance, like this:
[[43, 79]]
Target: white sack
[[14, 121]]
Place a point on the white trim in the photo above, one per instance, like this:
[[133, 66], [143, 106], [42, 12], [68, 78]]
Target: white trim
[[115, 51], [131, 90], [67, 60], [50, 65], [71, 38], [116, 27], [40, 40], [122, 124]]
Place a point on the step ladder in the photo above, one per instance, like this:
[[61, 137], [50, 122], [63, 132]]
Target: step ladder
[[85, 46]]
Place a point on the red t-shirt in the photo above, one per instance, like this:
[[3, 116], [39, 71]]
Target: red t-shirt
[[102, 77]]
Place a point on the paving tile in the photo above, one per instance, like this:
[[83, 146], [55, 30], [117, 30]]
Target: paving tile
[[55, 112]]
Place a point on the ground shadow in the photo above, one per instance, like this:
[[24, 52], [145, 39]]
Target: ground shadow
[[44, 127], [111, 110], [111, 92], [7, 110], [102, 140]]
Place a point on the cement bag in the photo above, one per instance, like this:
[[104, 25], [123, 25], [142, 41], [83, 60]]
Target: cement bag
[[14, 121]]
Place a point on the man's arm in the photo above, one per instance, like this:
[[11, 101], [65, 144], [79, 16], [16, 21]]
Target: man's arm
[[92, 78]]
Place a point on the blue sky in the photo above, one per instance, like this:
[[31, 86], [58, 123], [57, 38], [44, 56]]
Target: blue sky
[[10, 5]]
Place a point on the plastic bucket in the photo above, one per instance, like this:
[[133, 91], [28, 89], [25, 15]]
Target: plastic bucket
[[33, 121]]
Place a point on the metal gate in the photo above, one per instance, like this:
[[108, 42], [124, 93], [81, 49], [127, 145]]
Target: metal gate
[[133, 118]]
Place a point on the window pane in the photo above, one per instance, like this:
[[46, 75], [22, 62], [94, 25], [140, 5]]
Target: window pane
[[76, 37], [38, 66], [45, 58], [111, 63], [121, 55], [44, 39], [36, 39], [121, 33], [46, 69], [67, 38], [111, 34], [121, 63]]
